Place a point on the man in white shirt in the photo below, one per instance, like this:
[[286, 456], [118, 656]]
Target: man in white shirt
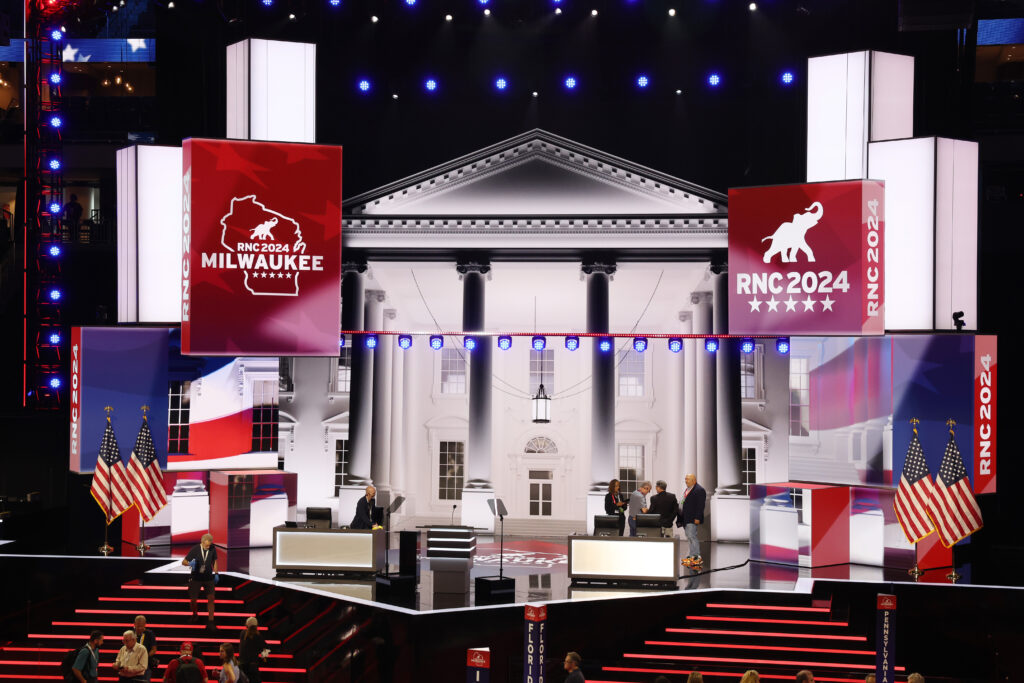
[[132, 660]]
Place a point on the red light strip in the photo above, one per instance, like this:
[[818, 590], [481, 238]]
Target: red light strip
[[140, 601], [767, 608], [140, 587], [308, 623], [782, 648], [335, 648], [717, 674], [96, 624], [745, 660], [162, 613], [264, 611], [165, 653], [766, 634], [751, 620], [85, 636]]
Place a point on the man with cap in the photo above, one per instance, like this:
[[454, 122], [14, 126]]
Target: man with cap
[[185, 668]]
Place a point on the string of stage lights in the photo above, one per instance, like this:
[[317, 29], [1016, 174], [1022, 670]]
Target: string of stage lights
[[538, 342]]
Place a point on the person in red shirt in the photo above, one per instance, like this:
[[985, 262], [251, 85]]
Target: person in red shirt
[[183, 663]]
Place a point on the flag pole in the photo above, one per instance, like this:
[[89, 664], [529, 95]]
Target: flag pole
[[106, 549], [953, 576], [914, 571], [142, 547]]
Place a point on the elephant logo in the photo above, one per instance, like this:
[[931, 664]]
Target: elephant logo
[[790, 237]]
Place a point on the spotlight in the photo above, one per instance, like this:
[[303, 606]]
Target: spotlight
[[54, 164], [430, 85], [672, 12], [374, 19], [341, 342], [410, 3], [170, 5], [675, 344], [55, 382], [436, 341], [642, 82], [504, 342], [364, 85], [469, 343], [752, 6], [54, 338], [54, 250], [55, 294], [714, 79], [711, 344], [448, 17], [747, 346], [267, 3], [593, 12], [56, 34], [558, 10], [538, 343], [487, 12], [394, 96], [605, 344], [371, 341], [535, 93], [404, 341], [483, 2], [55, 122], [333, 3], [572, 343], [787, 78], [500, 83], [679, 91], [782, 345], [570, 82], [55, 78], [291, 17], [640, 344], [55, 208]]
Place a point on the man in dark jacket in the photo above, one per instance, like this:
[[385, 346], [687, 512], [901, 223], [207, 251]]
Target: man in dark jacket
[[665, 504], [367, 513], [691, 516], [572, 664]]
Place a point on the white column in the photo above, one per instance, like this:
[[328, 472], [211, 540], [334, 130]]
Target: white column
[[727, 391], [380, 447], [397, 467], [689, 418], [707, 436], [271, 91], [373, 318]]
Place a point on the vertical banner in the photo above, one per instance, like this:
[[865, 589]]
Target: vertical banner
[[885, 642], [261, 247], [985, 414], [478, 665], [534, 643], [76, 399]]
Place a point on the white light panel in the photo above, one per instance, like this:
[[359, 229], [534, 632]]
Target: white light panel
[[271, 91]]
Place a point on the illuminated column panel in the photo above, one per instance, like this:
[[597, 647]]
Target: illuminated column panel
[[271, 91]]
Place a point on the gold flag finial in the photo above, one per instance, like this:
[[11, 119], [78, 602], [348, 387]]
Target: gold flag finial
[[109, 410], [145, 409], [914, 422], [951, 423]]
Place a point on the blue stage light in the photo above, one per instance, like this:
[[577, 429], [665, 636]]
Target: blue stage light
[[54, 164], [55, 382], [504, 342], [267, 3], [675, 344], [539, 343], [469, 343], [642, 82], [56, 34], [364, 85], [711, 344], [54, 250], [54, 294], [404, 341], [55, 78], [605, 344], [570, 82], [483, 2], [436, 341], [782, 345], [55, 208], [500, 83], [572, 342], [787, 77], [639, 344], [333, 3], [747, 346], [714, 80], [430, 85], [56, 122], [54, 338], [371, 341], [341, 342], [410, 3]]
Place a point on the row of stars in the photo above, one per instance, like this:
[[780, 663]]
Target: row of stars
[[272, 275], [808, 303]]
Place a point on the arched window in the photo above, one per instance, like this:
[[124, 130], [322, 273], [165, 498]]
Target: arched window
[[540, 444]]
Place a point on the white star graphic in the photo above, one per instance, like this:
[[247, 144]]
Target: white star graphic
[[137, 44], [755, 305], [773, 305], [826, 303], [790, 304], [808, 303], [69, 53]]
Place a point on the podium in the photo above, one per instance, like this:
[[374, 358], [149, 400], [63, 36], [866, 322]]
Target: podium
[[450, 550]]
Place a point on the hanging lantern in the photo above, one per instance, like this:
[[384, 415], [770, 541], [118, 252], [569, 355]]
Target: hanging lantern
[[541, 406]]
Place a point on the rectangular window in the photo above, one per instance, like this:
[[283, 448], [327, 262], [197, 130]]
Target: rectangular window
[[542, 371], [799, 397], [343, 382], [453, 372], [264, 415], [540, 493], [178, 416], [340, 464], [751, 386], [631, 467], [451, 472], [631, 374], [749, 462]]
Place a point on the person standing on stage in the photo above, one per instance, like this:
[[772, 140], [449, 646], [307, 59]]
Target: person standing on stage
[[637, 505], [691, 516], [665, 504], [614, 503], [203, 561], [368, 514]]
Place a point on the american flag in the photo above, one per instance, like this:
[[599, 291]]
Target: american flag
[[110, 480], [914, 494], [953, 507], [144, 476]]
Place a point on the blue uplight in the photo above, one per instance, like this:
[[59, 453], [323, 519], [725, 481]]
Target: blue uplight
[[640, 344], [714, 80], [500, 83], [747, 346], [675, 344], [430, 85], [55, 208], [55, 382], [333, 3], [55, 250], [54, 338], [364, 85], [341, 342], [436, 342], [782, 345], [538, 343], [55, 294], [54, 164], [711, 344], [371, 341], [56, 34], [787, 78], [410, 3], [642, 81], [267, 3], [483, 2], [469, 343], [404, 341], [504, 342], [55, 78], [570, 82], [56, 122], [572, 343], [605, 344]]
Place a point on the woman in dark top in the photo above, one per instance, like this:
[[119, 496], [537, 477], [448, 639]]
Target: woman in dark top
[[251, 647], [615, 504]]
